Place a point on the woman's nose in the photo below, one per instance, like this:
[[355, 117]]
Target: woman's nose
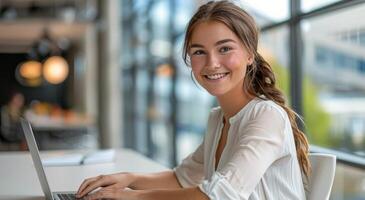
[[212, 62]]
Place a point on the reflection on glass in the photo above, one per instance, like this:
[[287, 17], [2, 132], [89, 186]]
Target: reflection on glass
[[308, 5], [334, 87]]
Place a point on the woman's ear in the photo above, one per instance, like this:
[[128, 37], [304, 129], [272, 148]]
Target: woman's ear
[[250, 59]]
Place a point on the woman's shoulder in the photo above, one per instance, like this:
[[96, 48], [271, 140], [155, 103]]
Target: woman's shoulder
[[264, 107], [263, 119]]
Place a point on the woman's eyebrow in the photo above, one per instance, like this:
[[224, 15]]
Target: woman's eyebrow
[[195, 45], [224, 41]]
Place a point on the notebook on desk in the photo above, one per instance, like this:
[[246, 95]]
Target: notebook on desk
[[70, 158], [33, 148]]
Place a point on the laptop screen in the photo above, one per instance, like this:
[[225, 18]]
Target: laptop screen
[[32, 145]]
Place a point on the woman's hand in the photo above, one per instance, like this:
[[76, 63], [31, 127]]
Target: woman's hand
[[112, 182], [113, 193]]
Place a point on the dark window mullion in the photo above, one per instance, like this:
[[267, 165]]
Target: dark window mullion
[[174, 99], [295, 54]]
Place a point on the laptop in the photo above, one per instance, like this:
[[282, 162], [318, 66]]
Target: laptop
[[33, 148]]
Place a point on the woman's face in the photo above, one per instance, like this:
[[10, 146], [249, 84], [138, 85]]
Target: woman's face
[[218, 58]]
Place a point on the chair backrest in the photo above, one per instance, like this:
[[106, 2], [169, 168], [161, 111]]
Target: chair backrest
[[322, 176]]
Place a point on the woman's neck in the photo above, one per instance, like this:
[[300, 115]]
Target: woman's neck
[[232, 102]]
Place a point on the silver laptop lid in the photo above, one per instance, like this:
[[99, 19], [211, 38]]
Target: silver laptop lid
[[32, 145]]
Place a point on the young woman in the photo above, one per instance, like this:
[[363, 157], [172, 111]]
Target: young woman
[[252, 149]]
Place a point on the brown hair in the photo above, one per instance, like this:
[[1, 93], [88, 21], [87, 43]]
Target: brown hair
[[260, 78]]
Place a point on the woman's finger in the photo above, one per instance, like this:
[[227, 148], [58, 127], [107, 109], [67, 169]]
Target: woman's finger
[[93, 184], [85, 183], [103, 194]]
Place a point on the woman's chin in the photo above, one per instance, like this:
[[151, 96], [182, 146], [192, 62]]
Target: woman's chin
[[216, 93]]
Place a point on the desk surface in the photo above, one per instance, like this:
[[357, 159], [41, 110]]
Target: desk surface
[[18, 178]]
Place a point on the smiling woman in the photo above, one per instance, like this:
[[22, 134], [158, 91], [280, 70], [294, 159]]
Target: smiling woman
[[252, 148]]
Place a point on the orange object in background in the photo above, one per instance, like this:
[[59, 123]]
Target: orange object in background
[[43, 113], [56, 112]]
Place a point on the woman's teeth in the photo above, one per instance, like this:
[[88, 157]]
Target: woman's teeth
[[216, 76]]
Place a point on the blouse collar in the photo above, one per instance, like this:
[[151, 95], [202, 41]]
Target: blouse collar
[[239, 115]]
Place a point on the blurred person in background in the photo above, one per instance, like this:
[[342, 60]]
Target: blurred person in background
[[11, 113]]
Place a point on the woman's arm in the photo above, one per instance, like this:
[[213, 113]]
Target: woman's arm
[[176, 194], [190, 173], [165, 180], [160, 194]]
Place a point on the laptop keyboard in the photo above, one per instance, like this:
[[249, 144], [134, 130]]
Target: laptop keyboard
[[66, 196]]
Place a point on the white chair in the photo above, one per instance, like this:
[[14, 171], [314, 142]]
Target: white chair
[[321, 178]]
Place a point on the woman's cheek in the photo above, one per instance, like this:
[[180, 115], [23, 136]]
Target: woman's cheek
[[233, 61], [197, 63], [197, 74]]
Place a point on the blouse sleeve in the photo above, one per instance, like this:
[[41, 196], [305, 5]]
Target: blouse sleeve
[[259, 144], [190, 172]]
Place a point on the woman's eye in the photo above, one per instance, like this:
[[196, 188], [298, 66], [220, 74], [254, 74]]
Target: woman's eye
[[198, 52], [224, 49]]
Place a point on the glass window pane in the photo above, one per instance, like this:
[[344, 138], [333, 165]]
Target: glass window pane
[[194, 106], [334, 90], [159, 113], [273, 46], [309, 5], [349, 183], [160, 18], [267, 12], [334, 87], [185, 9], [264, 12]]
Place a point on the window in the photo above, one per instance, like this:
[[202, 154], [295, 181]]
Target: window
[[334, 90], [267, 12], [273, 46], [309, 5]]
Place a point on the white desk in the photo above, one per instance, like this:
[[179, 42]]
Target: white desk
[[18, 177]]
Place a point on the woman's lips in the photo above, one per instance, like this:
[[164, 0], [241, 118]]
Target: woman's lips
[[216, 76]]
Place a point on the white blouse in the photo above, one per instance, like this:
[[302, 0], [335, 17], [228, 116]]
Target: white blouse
[[258, 162]]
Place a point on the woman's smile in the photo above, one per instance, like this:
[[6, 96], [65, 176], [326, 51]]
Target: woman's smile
[[216, 76]]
